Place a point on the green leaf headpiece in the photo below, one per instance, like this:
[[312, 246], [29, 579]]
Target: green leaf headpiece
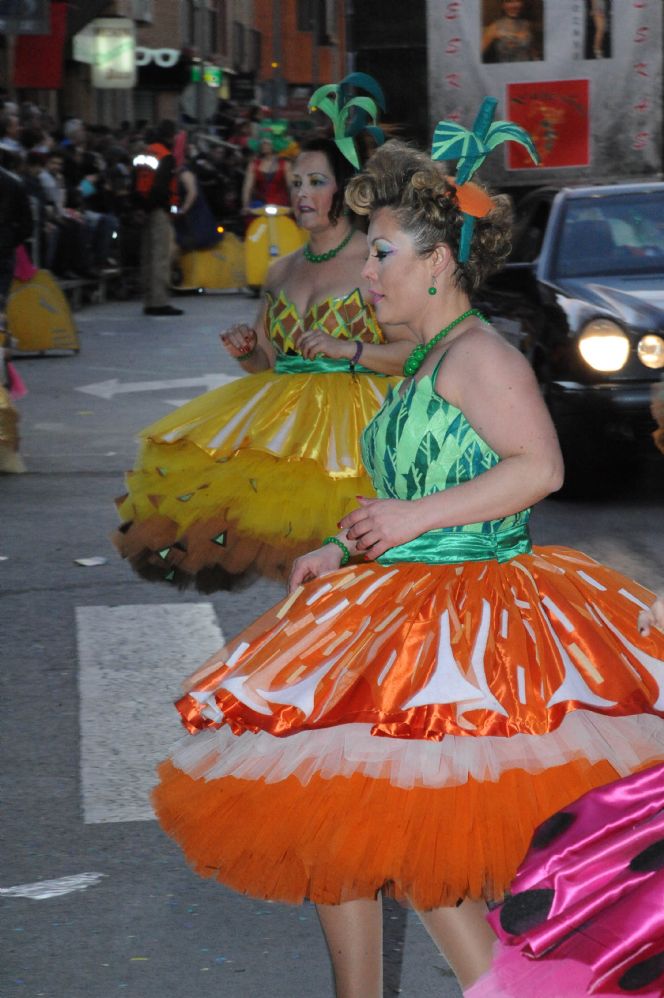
[[351, 115], [470, 148]]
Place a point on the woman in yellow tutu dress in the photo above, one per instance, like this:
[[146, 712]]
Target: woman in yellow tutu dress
[[246, 477], [401, 724]]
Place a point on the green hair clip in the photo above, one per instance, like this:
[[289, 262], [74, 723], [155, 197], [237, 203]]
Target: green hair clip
[[471, 147], [351, 115]]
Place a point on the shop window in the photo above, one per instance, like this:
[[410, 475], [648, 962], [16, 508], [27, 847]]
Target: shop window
[[222, 26], [319, 17], [143, 11], [239, 35]]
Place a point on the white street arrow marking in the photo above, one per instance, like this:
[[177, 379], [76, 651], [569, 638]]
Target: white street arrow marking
[[108, 389], [52, 888]]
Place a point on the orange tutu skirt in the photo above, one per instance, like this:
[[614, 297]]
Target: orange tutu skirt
[[405, 728]]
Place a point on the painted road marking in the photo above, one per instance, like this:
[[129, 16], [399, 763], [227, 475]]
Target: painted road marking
[[43, 889], [132, 661]]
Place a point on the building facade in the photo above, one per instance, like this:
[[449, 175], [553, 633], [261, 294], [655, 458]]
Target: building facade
[[273, 51]]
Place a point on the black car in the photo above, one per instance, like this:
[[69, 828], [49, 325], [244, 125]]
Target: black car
[[583, 297]]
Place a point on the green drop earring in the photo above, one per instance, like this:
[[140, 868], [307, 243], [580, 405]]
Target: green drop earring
[[433, 290]]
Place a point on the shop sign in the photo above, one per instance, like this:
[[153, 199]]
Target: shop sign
[[164, 58], [213, 76], [113, 53]]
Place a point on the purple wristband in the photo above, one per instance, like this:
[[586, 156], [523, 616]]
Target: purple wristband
[[356, 356]]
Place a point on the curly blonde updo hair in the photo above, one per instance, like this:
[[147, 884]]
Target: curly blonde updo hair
[[416, 190]]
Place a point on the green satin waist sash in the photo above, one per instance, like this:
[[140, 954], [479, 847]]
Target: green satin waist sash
[[287, 363], [443, 547]]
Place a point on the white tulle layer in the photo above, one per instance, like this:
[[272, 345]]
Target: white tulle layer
[[627, 743]]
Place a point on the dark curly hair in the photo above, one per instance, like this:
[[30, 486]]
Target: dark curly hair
[[423, 201], [343, 170]]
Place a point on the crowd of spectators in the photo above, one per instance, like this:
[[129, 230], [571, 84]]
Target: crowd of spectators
[[80, 181]]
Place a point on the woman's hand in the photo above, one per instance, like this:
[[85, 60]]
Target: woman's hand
[[653, 617], [380, 524], [310, 566], [315, 342], [239, 340]]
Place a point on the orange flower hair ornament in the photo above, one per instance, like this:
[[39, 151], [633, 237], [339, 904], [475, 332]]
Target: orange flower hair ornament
[[470, 148]]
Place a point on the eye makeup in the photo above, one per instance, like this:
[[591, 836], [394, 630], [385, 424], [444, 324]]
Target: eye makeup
[[315, 180], [382, 248]]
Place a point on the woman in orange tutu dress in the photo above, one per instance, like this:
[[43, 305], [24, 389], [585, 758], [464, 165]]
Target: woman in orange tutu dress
[[401, 724], [242, 479]]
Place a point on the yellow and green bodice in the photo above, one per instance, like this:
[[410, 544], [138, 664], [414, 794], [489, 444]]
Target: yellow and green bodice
[[418, 444], [348, 317]]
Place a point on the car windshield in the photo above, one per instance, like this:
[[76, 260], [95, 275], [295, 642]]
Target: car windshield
[[612, 234]]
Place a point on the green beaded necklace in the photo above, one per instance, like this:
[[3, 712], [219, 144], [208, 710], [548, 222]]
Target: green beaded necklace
[[320, 257], [415, 360]]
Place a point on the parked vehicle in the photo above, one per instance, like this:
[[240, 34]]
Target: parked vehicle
[[583, 297]]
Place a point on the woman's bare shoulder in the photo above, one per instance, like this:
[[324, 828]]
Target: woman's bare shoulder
[[481, 356], [482, 342]]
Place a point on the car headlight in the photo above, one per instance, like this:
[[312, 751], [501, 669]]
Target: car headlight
[[604, 345], [650, 349]]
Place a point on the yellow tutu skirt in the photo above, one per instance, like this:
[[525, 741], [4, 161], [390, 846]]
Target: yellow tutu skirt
[[405, 728], [243, 479]]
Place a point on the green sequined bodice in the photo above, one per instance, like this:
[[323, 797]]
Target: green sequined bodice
[[418, 444]]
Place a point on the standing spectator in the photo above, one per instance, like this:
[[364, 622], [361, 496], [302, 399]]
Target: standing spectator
[[156, 193], [195, 227]]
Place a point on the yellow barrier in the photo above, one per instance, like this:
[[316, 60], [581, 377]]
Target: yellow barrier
[[39, 317], [216, 268]]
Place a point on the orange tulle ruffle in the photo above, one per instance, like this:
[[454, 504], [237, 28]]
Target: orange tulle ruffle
[[345, 838]]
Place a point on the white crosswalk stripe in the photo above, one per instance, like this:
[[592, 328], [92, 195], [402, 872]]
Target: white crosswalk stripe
[[132, 661]]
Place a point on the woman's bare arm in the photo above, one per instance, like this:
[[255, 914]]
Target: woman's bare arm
[[188, 181], [384, 358]]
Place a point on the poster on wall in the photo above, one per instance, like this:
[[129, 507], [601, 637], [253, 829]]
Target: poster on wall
[[584, 77], [556, 114], [24, 17]]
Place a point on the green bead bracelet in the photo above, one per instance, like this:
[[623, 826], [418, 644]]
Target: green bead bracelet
[[340, 544]]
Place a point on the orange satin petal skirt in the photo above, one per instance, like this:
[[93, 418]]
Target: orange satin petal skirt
[[346, 838], [423, 651]]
